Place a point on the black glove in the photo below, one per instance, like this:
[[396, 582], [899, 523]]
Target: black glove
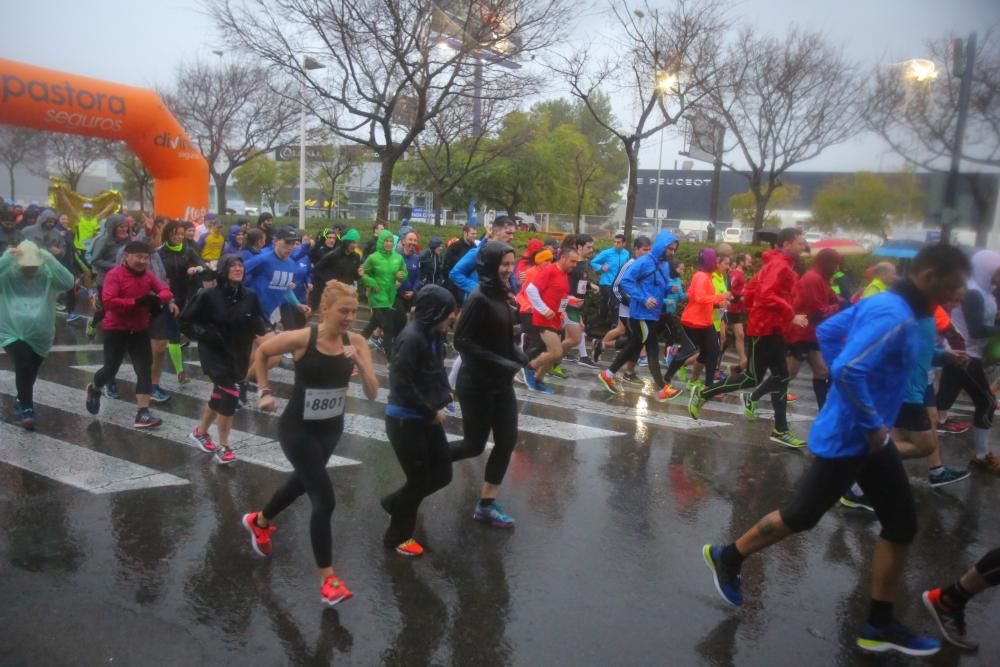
[[150, 301]]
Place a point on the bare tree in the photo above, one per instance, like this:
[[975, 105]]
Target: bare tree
[[71, 155], [386, 75], [664, 60], [916, 113], [233, 112], [784, 101], [20, 145], [454, 147], [137, 179]]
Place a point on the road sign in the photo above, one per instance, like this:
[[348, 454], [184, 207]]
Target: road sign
[[702, 138]]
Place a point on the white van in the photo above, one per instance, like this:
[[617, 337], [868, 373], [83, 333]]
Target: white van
[[737, 235]]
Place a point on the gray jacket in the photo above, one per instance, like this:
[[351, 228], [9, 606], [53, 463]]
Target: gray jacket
[[46, 237], [105, 250]]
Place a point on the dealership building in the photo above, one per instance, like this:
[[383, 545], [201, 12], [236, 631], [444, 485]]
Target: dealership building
[[685, 199]]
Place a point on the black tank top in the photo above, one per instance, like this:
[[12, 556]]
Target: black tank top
[[320, 386]]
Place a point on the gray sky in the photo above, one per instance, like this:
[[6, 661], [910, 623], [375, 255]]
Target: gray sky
[[140, 43]]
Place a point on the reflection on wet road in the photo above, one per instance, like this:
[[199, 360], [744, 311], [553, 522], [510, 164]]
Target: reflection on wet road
[[120, 547]]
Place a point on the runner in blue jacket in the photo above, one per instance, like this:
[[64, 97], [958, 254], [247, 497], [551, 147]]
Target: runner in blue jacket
[[646, 282], [872, 346], [607, 264]]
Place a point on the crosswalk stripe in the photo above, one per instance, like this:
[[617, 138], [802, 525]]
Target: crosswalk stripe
[[362, 426], [253, 449], [77, 466], [548, 428]]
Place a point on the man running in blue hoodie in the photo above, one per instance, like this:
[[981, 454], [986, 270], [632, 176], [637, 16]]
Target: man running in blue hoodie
[[647, 284], [873, 346]]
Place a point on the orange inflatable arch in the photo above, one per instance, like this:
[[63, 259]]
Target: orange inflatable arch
[[54, 101]]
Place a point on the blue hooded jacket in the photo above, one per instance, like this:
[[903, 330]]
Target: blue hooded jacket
[[230, 247], [869, 349], [648, 277], [615, 259], [463, 275]]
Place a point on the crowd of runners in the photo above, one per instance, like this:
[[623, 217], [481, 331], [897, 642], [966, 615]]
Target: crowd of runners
[[888, 358]]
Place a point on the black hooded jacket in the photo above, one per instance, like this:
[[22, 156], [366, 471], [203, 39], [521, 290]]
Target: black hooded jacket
[[224, 320], [484, 335], [417, 379], [339, 264]]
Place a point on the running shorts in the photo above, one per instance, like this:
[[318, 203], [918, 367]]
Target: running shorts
[[225, 396], [913, 417], [801, 349]]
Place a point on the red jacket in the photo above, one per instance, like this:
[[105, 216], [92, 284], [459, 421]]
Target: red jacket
[[814, 296], [737, 283], [122, 287], [553, 287], [768, 296]]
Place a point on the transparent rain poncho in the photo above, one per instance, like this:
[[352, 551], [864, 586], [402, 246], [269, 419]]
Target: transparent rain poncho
[[28, 304]]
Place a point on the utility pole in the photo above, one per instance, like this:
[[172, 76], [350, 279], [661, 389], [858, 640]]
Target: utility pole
[[963, 63]]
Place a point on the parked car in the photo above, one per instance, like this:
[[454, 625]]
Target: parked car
[[813, 237]]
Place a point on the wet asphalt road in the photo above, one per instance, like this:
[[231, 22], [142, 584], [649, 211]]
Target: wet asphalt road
[[135, 556]]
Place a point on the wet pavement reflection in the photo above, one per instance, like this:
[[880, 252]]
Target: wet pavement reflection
[[603, 568]]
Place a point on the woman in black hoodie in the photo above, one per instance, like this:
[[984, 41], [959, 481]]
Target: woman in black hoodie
[[224, 320], [484, 337], [414, 415]]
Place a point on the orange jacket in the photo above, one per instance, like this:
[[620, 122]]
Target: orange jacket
[[701, 301]]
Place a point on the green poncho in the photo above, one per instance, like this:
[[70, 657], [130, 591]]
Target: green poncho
[[28, 305]]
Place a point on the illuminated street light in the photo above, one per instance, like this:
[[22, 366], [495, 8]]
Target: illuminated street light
[[666, 81], [919, 70]]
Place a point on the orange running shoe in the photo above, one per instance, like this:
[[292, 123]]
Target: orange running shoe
[[791, 398], [333, 591], [410, 548], [260, 538], [668, 393]]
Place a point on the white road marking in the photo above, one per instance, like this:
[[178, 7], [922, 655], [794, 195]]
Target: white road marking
[[250, 448], [548, 428], [77, 466]]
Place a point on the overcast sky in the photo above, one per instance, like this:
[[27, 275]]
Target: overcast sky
[[141, 43]]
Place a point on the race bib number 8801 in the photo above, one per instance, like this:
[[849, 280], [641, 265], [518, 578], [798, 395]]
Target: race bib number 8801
[[324, 403]]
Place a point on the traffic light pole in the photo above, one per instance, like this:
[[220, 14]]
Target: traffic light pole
[[964, 62]]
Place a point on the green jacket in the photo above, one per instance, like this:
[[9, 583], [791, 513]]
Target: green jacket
[[382, 271]]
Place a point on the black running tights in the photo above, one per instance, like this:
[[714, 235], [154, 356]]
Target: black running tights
[[764, 353], [988, 567], [973, 380], [481, 414], [422, 450], [642, 334], [308, 451], [26, 365], [136, 343]]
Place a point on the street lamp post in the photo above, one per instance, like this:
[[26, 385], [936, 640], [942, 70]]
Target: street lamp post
[[307, 64], [965, 56]]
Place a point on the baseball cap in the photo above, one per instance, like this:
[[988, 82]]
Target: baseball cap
[[287, 234], [28, 254], [87, 204]]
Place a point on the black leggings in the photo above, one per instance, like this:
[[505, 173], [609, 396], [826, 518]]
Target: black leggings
[[705, 341], [385, 319], [26, 365], [973, 380], [641, 334], [882, 478], [988, 567], [422, 450], [480, 415], [308, 451], [116, 344], [765, 353]]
